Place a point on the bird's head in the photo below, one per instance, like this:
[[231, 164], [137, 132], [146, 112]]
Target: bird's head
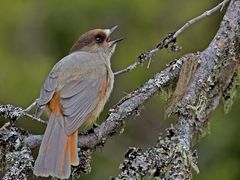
[[95, 41]]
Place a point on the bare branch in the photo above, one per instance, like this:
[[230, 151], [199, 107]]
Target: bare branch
[[198, 18], [171, 38], [34, 118]]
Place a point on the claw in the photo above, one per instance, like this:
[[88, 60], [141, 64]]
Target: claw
[[39, 111]]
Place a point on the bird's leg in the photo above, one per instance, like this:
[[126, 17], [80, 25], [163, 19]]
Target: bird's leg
[[29, 108], [39, 111]]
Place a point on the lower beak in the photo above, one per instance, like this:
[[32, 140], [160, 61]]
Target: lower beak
[[116, 41]]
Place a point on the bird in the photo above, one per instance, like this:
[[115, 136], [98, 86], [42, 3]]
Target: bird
[[75, 92]]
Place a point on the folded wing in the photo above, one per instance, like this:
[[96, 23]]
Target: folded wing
[[79, 98]]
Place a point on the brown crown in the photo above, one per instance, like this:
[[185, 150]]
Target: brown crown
[[88, 39]]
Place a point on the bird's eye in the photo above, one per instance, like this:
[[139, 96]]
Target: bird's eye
[[99, 38]]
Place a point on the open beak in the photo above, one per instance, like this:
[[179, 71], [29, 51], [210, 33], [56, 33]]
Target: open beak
[[112, 42], [112, 29]]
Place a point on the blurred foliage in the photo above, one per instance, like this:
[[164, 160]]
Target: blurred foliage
[[34, 35]]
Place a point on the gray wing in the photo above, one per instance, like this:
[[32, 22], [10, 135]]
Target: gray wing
[[78, 61], [79, 94], [47, 92], [79, 98]]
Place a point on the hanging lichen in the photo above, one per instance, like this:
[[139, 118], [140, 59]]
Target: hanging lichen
[[230, 93]]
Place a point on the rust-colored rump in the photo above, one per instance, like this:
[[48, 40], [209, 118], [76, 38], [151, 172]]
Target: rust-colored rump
[[55, 104], [104, 87]]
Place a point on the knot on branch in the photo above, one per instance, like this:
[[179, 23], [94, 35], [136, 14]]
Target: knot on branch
[[171, 41], [15, 157], [146, 56], [165, 42]]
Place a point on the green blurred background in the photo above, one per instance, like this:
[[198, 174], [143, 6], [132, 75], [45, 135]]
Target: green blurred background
[[34, 35]]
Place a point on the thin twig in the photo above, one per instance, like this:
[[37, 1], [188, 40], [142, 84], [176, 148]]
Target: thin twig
[[5, 126], [14, 113], [198, 18], [29, 108], [171, 38], [34, 118]]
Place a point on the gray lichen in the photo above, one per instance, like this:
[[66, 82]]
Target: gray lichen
[[15, 157], [200, 108], [168, 160], [84, 164], [230, 93], [11, 112]]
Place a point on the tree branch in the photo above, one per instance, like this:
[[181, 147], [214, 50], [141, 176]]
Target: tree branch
[[172, 157], [171, 38]]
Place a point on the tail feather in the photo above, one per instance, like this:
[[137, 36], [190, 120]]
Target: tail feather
[[57, 151], [72, 146]]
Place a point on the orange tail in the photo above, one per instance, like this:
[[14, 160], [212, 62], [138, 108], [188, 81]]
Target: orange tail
[[72, 147], [57, 151]]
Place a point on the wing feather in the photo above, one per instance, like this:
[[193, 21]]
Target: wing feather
[[48, 89], [79, 98]]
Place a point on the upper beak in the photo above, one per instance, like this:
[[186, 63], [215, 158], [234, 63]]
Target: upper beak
[[110, 32]]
